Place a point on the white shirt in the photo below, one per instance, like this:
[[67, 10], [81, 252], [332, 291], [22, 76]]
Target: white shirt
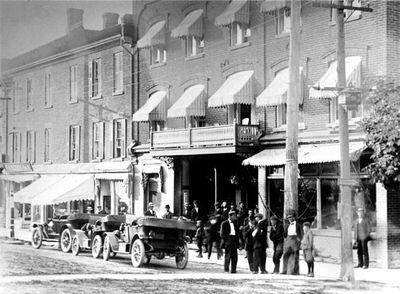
[[292, 229], [232, 233]]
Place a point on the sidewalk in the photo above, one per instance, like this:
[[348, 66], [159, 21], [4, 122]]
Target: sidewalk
[[323, 270]]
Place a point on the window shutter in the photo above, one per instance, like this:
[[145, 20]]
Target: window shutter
[[34, 146], [79, 143], [99, 74], [112, 139], [68, 143], [20, 147], [102, 140], [90, 79], [123, 152]]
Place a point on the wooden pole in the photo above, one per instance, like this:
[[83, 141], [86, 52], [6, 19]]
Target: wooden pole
[[291, 164], [347, 271]]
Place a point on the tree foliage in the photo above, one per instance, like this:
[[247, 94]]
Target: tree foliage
[[382, 128]]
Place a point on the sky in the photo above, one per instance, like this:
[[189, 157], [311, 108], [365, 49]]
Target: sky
[[27, 24]]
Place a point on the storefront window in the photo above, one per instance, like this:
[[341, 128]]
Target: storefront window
[[35, 213], [60, 209], [307, 200], [27, 212], [329, 203], [276, 197], [121, 192]]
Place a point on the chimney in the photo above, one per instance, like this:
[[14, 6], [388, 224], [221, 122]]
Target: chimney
[[110, 19], [127, 20], [127, 31], [74, 19]]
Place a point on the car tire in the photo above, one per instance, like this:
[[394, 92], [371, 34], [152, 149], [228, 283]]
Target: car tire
[[66, 241], [106, 248], [97, 246], [76, 247], [37, 238], [138, 253], [182, 257]]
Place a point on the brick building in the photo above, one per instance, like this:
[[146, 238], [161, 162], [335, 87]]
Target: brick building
[[69, 122]]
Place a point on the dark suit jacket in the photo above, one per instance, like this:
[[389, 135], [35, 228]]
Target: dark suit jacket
[[149, 213], [195, 216], [362, 230], [260, 238], [226, 230], [299, 231], [248, 238], [276, 234]]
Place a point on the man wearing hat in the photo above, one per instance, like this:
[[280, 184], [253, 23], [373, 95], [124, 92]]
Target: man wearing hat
[[150, 210], [168, 214], [213, 228], [100, 210], [230, 236], [276, 236], [260, 244], [293, 234], [362, 232], [89, 210]]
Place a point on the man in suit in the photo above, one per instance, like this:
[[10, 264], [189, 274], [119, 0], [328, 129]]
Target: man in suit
[[260, 244], [150, 210], [196, 213], [362, 230], [230, 236], [212, 231], [276, 236], [293, 234]]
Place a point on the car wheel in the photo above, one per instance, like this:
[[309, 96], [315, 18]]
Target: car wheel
[[148, 259], [114, 254], [97, 246], [76, 247], [106, 248], [138, 253], [37, 238], [182, 257], [66, 241]]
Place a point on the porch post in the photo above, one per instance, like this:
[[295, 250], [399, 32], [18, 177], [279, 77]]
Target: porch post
[[215, 185], [319, 204], [262, 190]]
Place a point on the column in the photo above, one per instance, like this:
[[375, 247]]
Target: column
[[381, 226], [262, 189]]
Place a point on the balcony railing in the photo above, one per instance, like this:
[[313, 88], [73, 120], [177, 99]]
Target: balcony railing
[[226, 135]]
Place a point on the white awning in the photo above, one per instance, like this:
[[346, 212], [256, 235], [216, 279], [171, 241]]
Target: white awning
[[329, 79], [191, 103], [276, 92], [237, 89], [154, 36], [236, 11], [192, 25], [19, 178], [307, 154], [270, 6], [151, 168], [26, 194], [69, 188], [154, 109]]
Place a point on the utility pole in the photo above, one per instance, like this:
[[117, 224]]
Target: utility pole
[[292, 115], [347, 268]]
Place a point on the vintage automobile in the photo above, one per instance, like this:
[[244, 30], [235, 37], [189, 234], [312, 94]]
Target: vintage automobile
[[91, 236], [60, 229], [144, 237]]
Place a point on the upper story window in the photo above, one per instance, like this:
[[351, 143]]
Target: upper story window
[[119, 138], [194, 46], [240, 33], [95, 78], [74, 143], [158, 55], [73, 83], [282, 21], [29, 105], [47, 90], [15, 143], [280, 115], [30, 146], [349, 14], [98, 140], [47, 144], [15, 98], [117, 73]]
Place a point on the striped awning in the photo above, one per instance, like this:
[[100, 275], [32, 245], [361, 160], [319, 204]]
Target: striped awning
[[276, 92], [192, 25], [237, 89], [191, 103], [236, 11], [270, 6], [20, 178], [69, 188], [155, 109], [307, 154], [154, 36], [329, 79], [26, 194]]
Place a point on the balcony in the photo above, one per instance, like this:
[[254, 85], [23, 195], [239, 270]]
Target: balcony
[[205, 140]]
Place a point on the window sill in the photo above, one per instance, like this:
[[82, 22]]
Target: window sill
[[239, 46], [48, 162], [158, 65], [73, 101], [97, 97], [73, 161], [283, 128], [194, 57], [118, 159], [282, 35], [119, 93], [97, 160], [48, 106], [16, 112]]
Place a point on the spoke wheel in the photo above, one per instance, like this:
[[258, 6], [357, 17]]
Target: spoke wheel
[[97, 246], [37, 238], [76, 247], [182, 257], [106, 248], [138, 254], [66, 241]]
